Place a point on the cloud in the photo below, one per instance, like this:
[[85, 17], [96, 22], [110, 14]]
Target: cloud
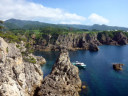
[[71, 22], [97, 19], [26, 10]]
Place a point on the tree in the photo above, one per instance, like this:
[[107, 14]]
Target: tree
[[1, 22], [1, 25]]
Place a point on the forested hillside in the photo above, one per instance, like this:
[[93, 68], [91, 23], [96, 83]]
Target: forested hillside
[[23, 24]]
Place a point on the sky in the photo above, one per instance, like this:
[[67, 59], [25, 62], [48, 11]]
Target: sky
[[86, 12]]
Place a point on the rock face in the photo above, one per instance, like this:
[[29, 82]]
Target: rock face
[[17, 77], [40, 60], [93, 47], [120, 38], [117, 66], [81, 41], [63, 80]]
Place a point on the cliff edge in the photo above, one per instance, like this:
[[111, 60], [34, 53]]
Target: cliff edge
[[86, 41], [18, 77]]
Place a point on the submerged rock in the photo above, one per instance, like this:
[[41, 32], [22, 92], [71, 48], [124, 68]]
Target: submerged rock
[[117, 66], [17, 77], [63, 80]]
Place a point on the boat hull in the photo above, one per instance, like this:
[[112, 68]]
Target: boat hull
[[79, 66]]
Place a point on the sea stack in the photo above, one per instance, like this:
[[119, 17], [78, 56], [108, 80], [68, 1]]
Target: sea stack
[[64, 79]]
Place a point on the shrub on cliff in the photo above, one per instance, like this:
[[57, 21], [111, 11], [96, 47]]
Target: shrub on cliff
[[30, 59]]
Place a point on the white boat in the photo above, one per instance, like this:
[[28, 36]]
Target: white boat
[[79, 64]]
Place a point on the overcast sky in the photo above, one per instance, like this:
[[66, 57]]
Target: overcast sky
[[87, 12]]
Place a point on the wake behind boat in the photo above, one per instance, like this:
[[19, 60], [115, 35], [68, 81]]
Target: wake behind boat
[[79, 64]]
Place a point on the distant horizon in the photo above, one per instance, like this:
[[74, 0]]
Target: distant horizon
[[84, 12], [65, 24]]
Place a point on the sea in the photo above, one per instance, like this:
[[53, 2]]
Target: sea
[[98, 76]]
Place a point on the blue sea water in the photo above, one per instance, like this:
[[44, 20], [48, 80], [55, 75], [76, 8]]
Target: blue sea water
[[99, 76]]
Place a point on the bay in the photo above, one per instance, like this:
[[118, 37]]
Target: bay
[[99, 76]]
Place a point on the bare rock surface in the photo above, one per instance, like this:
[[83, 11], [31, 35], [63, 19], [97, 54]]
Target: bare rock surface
[[17, 77], [63, 80], [118, 66]]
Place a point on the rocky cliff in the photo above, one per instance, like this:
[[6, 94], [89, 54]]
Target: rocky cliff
[[18, 76], [80, 41], [63, 80], [21, 75]]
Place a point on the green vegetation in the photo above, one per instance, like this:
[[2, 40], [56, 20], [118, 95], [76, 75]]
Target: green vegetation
[[35, 25], [7, 49], [1, 26], [24, 54], [10, 37], [126, 33], [18, 46], [36, 33], [30, 59], [110, 33]]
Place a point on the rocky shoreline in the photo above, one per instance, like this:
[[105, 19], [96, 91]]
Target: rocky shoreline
[[84, 41], [21, 74]]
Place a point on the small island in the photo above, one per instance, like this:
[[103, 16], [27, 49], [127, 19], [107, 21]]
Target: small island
[[118, 66]]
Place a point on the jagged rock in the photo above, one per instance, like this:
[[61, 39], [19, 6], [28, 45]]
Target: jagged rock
[[3, 45], [3, 49], [40, 60], [63, 80], [21, 46], [118, 38], [17, 77], [121, 38], [117, 66], [81, 41], [93, 47]]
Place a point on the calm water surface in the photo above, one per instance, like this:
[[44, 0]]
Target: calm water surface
[[99, 75]]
